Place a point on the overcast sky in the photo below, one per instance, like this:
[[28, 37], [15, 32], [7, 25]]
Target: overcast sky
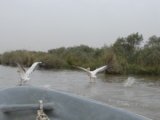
[[46, 24]]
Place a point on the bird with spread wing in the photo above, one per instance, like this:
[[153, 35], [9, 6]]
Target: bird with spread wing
[[25, 74], [92, 74]]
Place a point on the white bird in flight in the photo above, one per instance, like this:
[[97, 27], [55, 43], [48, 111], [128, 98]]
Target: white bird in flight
[[25, 74], [92, 74], [129, 82]]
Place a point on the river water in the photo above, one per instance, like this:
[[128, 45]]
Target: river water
[[138, 94]]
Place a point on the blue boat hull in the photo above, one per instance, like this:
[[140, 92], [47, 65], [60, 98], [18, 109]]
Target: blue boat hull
[[21, 103]]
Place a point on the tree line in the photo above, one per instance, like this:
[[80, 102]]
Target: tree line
[[128, 55]]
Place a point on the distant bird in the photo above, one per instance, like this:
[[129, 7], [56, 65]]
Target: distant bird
[[129, 82], [92, 74], [25, 74]]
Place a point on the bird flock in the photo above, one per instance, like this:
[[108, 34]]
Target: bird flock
[[25, 74]]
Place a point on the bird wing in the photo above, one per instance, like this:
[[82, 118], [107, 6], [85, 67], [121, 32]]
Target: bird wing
[[21, 70], [84, 69], [100, 69], [32, 68]]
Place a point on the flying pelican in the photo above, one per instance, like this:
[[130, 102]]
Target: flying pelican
[[92, 74], [24, 74], [129, 82]]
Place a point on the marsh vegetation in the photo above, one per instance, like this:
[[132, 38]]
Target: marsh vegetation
[[127, 56]]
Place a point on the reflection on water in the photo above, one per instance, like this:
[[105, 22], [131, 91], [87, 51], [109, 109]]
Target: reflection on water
[[142, 97]]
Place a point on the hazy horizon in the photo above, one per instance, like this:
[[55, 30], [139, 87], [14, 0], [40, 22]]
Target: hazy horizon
[[42, 25]]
